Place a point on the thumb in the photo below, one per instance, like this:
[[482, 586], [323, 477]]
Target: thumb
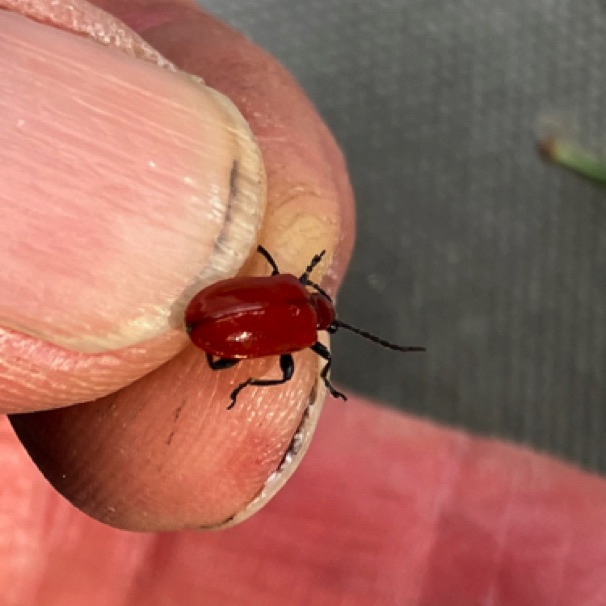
[[104, 154]]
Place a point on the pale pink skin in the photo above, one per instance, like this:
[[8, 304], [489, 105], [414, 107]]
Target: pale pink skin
[[386, 509]]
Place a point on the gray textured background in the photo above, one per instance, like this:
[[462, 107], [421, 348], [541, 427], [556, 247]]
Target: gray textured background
[[467, 242]]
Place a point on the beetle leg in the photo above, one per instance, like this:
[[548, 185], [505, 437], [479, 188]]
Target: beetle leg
[[319, 289], [323, 352], [220, 363], [287, 366], [263, 251]]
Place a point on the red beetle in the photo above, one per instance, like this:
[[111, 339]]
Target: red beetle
[[275, 315]]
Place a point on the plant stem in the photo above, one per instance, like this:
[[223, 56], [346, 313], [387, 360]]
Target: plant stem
[[575, 158]]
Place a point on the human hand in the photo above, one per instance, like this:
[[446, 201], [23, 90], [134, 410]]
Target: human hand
[[386, 510], [140, 222]]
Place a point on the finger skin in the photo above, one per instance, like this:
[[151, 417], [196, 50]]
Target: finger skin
[[310, 206], [385, 510], [163, 453]]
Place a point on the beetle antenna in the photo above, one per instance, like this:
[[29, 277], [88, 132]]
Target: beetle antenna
[[367, 335], [312, 264]]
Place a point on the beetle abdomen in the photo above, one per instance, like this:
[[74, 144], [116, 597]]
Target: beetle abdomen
[[263, 332], [252, 317]]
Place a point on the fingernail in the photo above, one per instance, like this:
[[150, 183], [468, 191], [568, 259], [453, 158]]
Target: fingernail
[[125, 188]]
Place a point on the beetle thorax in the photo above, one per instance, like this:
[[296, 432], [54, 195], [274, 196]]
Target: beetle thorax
[[325, 310]]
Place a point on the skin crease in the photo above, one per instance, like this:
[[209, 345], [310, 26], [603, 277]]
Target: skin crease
[[385, 510]]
